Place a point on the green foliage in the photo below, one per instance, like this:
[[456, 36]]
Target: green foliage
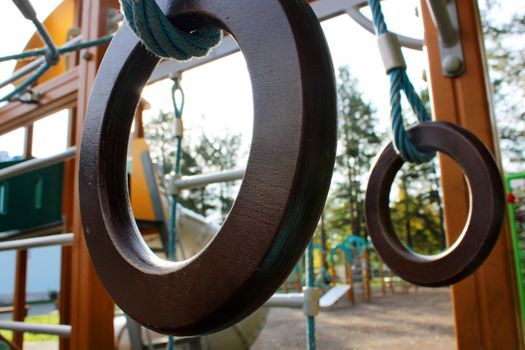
[[200, 154], [215, 155], [416, 207], [417, 213], [358, 143], [505, 44]]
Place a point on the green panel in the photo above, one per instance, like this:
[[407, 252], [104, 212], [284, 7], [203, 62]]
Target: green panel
[[32, 199], [517, 226]]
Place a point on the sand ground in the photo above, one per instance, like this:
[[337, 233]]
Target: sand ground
[[417, 320], [414, 320]]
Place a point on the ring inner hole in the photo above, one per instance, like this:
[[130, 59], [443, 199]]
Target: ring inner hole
[[417, 206], [218, 124]]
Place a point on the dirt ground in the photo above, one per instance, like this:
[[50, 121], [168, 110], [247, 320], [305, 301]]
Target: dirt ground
[[417, 320]]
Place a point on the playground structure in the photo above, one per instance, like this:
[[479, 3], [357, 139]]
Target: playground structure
[[351, 264], [87, 312]]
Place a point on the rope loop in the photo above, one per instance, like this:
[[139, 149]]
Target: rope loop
[[164, 39], [178, 106], [400, 82]]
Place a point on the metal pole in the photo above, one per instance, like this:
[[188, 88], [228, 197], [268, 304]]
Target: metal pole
[[47, 241], [28, 68], [310, 283], [60, 330], [291, 300], [206, 179], [35, 164]]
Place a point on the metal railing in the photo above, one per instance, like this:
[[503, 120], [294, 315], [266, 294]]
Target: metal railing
[[37, 163], [188, 182], [46, 241], [290, 300], [60, 330]]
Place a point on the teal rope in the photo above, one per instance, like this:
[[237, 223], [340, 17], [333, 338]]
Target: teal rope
[[27, 10], [61, 50], [163, 38], [31, 80], [45, 66], [310, 283], [400, 82], [50, 51], [178, 109]]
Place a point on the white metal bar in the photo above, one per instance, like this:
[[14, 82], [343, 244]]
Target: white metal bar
[[46, 241], [206, 179], [324, 9], [60, 330], [37, 163], [291, 300]]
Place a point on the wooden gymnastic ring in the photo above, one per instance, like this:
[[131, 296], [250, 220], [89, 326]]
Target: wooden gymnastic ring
[[487, 208], [283, 192]]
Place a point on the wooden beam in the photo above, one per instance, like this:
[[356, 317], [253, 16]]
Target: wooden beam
[[19, 301], [485, 304], [58, 93], [92, 310], [66, 251]]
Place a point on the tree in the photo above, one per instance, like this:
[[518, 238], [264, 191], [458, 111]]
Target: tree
[[417, 212], [200, 154], [217, 154], [358, 142], [504, 39]]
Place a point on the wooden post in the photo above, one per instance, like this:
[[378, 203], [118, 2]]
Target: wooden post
[[64, 302], [19, 295], [391, 282], [19, 302], [485, 304], [298, 283], [92, 310], [382, 276], [368, 290], [350, 281], [333, 272]]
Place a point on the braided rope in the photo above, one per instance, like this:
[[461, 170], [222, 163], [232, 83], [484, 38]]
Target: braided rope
[[161, 37], [400, 82]]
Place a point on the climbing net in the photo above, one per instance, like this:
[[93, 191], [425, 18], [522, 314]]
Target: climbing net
[[43, 58]]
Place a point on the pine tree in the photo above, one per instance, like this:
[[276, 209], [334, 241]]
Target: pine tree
[[200, 154], [357, 146]]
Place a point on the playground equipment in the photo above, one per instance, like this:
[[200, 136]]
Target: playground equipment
[[515, 188], [32, 182], [453, 99], [283, 230], [418, 145], [354, 252]]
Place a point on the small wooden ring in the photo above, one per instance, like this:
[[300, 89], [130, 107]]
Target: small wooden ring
[[487, 203], [283, 192]]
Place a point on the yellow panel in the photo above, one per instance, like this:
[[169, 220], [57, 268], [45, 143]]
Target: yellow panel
[[141, 202], [58, 23]]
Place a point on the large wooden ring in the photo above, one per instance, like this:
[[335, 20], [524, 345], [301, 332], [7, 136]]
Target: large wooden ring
[[487, 203], [283, 192]]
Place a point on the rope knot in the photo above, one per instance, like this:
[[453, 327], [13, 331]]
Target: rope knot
[[400, 82], [164, 39]]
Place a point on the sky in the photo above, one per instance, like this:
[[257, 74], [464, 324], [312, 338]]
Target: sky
[[218, 98]]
